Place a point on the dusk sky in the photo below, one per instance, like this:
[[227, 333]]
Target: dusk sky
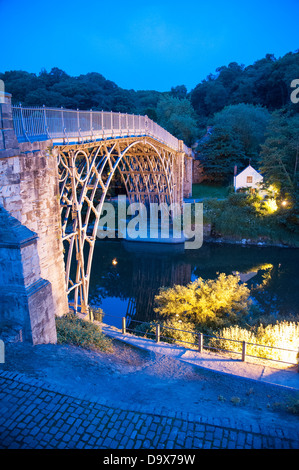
[[144, 45]]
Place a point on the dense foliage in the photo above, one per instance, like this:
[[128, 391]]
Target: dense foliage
[[211, 303], [245, 216], [266, 83], [79, 332], [284, 335], [249, 109], [280, 163], [238, 131]]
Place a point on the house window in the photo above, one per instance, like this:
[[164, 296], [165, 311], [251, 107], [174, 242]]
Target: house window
[[249, 179]]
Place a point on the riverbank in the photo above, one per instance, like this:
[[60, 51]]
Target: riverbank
[[143, 385], [241, 218], [244, 236], [247, 242]]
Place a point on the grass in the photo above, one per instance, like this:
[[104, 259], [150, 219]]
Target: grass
[[208, 191], [78, 332]]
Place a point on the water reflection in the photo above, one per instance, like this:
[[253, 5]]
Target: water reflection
[[127, 287], [152, 270]]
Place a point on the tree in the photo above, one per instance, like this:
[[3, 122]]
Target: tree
[[220, 153], [280, 152], [179, 91], [19, 83], [209, 97], [266, 82], [178, 117], [230, 75], [280, 163], [238, 131], [249, 122]]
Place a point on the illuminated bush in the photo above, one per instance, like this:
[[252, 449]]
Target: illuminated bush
[[212, 303], [281, 335], [270, 205], [178, 332], [171, 331]]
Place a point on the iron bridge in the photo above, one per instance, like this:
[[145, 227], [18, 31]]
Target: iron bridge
[[91, 146]]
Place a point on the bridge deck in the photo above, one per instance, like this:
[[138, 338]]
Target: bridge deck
[[64, 126]]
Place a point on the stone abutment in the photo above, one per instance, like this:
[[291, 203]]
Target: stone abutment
[[32, 277]]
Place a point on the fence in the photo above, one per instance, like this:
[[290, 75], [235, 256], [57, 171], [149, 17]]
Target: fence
[[199, 343], [40, 123]]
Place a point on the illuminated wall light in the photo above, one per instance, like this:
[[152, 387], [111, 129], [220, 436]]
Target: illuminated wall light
[[114, 262]]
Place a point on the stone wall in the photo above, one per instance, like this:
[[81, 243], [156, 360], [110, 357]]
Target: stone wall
[[182, 175], [29, 193], [188, 177], [198, 172], [26, 302]]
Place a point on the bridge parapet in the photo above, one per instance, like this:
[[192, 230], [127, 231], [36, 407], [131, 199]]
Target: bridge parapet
[[66, 126]]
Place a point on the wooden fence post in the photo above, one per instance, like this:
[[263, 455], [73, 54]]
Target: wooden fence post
[[243, 351], [158, 333], [124, 325], [200, 342]]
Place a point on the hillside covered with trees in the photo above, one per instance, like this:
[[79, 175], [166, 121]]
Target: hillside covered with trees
[[266, 83], [249, 109]]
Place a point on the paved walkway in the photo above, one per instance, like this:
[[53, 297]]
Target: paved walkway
[[253, 369], [44, 415], [36, 415]]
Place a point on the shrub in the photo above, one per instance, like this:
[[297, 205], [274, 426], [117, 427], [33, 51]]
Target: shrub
[[293, 406], [146, 329], [172, 331], [97, 314], [211, 303], [178, 331], [244, 215], [74, 330], [283, 335], [238, 199]]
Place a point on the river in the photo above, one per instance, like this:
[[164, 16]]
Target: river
[[126, 276]]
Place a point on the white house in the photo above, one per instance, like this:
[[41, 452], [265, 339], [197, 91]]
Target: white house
[[248, 178]]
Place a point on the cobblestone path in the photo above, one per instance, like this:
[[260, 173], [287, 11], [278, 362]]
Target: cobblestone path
[[35, 415]]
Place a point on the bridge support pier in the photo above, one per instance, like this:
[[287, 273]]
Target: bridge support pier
[[30, 195], [26, 299]]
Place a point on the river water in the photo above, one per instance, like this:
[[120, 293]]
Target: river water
[[126, 276]]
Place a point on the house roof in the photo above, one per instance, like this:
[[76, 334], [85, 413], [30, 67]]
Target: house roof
[[251, 170]]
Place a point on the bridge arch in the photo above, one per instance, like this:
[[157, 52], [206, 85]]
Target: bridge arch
[[85, 175], [90, 146]]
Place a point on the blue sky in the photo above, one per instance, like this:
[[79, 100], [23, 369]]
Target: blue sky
[[144, 45]]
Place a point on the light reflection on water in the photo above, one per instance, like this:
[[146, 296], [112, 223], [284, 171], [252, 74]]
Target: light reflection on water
[[127, 287]]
